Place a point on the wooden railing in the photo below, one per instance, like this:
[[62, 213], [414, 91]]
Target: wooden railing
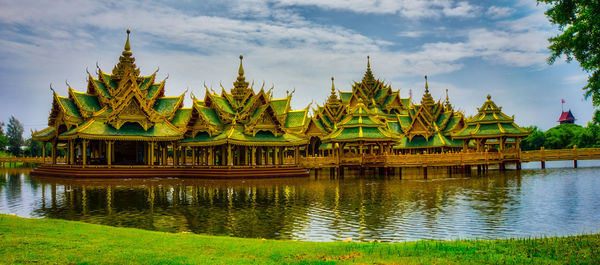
[[453, 159], [409, 160], [31, 160]]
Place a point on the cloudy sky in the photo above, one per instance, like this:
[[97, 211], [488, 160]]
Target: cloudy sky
[[472, 48]]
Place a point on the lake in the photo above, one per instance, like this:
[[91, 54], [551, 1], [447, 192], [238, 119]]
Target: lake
[[532, 202]]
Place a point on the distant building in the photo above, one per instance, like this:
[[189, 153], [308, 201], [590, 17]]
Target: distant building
[[566, 117]]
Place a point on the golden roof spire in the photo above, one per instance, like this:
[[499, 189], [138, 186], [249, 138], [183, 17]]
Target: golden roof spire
[[127, 52], [126, 61], [368, 79], [427, 99], [332, 87], [241, 70], [240, 86], [333, 99]]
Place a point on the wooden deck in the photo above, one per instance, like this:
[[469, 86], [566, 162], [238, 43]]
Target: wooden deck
[[207, 172], [464, 159], [451, 159]]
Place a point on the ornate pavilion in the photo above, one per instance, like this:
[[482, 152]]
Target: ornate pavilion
[[125, 118], [374, 119]]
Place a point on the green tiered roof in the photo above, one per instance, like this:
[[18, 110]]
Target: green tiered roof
[[244, 117], [490, 122], [360, 125], [121, 106]]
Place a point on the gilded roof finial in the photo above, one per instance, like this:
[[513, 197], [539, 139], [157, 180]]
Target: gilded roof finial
[[241, 70], [332, 87], [426, 85], [489, 97], [447, 99], [127, 51], [368, 79]]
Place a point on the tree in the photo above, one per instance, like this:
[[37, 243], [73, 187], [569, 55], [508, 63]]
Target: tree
[[563, 136], [33, 149], [534, 140], [579, 37], [3, 139], [14, 132]]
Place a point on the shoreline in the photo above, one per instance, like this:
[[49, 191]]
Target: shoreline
[[26, 240]]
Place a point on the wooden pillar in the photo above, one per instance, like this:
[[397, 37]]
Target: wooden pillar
[[253, 155], [194, 156], [109, 152], [210, 157], [183, 155], [276, 156], [71, 159], [151, 154], [229, 160], [84, 144], [53, 153], [43, 152], [296, 154]]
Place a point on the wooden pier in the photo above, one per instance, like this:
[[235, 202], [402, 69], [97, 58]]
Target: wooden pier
[[452, 159]]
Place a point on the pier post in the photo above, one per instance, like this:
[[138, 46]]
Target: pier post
[[399, 173], [425, 172], [574, 163], [543, 164], [518, 165]]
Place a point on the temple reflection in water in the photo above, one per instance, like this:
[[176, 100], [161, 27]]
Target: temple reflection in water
[[319, 209]]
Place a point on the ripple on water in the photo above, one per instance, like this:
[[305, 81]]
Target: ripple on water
[[501, 205]]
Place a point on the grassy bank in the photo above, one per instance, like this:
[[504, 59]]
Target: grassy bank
[[24, 240]]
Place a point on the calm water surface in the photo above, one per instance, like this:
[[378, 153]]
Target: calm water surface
[[532, 202]]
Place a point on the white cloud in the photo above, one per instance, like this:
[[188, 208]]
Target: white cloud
[[280, 46], [499, 12], [405, 8]]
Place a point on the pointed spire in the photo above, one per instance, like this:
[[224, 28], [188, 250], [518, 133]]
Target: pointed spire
[[333, 99], [126, 62], [368, 79], [448, 105], [241, 70], [240, 86], [127, 46], [332, 86], [427, 99]]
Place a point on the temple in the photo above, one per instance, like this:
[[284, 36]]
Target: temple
[[566, 117], [124, 118]]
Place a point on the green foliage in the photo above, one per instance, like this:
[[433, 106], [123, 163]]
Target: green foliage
[[44, 241], [534, 140], [579, 38], [563, 136], [33, 149], [3, 142], [14, 132]]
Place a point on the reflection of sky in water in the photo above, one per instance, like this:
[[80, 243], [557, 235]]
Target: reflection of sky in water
[[534, 202]]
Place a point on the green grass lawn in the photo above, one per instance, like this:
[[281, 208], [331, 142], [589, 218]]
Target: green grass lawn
[[40, 241]]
